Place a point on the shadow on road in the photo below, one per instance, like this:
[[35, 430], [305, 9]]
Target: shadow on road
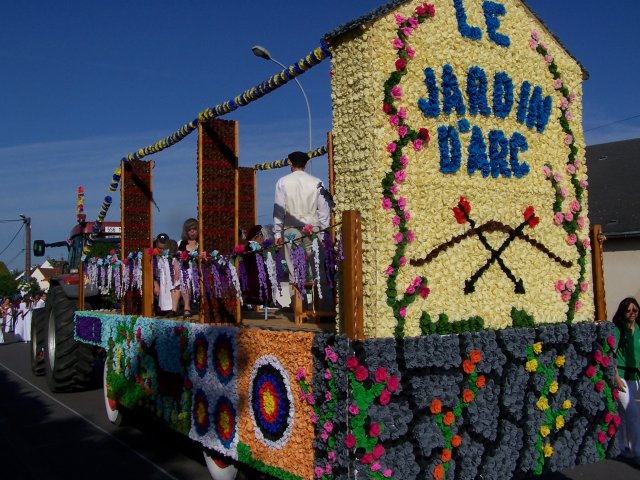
[[41, 439]]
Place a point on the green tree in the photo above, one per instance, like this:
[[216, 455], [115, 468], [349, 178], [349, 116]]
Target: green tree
[[8, 284]]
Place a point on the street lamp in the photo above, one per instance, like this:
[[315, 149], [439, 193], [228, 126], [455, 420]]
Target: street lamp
[[260, 51], [27, 246]]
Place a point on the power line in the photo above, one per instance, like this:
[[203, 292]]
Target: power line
[[17, 255], [14, 237], [612, 123], [7, 221]]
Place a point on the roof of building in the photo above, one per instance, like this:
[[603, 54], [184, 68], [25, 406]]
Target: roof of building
[[393, 4], [613, 169]]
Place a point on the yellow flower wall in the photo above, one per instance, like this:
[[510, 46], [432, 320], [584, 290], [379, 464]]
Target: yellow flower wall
[[362, 61]]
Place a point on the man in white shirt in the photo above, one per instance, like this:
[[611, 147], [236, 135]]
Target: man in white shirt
[[299, 201]]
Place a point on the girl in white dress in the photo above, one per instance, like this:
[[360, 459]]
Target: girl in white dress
[[18, 327], [7, 315], [26, 319]]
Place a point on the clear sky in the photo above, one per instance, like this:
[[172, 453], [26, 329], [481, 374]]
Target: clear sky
[[84, 83]]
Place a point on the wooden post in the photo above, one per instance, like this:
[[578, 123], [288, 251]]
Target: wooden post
[[236, 211], [597, 241], [147, 284], [81, 285], [202, 301], [352, 274], [122, 227], [332, 178]]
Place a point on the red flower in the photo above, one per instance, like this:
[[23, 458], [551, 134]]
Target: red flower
[[467, 396], [599, 386], [393, 383], [462, 210], [424, 133], [352, 363], [438, 472], [475, 356], [378, 451], [436, 406], [448, 418], [611, 431], [446, 455], [468, 367], [366, 459], [530, 217], [385, 397], [426, 8], [350, 440], [184, 255], [480, 382], [591, 371], [456, 440], [380, 375], [424, 291], [400, 64], [374, 430], [361, 373], [386, 108]]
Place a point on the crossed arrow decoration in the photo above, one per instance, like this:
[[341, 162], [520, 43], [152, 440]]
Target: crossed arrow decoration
[[462, 214]]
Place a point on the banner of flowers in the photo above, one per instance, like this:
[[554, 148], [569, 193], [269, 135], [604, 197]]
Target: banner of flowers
[[226, 275], [284, 162]]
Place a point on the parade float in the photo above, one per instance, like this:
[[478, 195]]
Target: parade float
[[465, 343]]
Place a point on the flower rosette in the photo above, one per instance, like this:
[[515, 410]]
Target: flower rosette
[[446, 418], [392, 200], [595, 372], [568, 209], [212, 370], [363, 437]]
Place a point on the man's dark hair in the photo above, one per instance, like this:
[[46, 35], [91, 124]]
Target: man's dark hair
[[298, 159]]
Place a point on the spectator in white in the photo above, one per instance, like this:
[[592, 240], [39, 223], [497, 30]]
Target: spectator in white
[[299, 201], [6, 310]]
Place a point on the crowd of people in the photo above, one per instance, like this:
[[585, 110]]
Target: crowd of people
[[15, 316]]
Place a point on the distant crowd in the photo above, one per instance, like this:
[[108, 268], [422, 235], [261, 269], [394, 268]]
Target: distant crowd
[[15, 316]]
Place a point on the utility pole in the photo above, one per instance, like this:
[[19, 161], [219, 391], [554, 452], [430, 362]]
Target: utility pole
[[27, 247]]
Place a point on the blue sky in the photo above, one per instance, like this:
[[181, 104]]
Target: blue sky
[[84, 83]]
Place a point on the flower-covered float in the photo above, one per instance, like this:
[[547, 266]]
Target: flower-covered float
[[457, 136]]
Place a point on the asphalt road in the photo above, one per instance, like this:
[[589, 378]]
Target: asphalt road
[[67, 436]]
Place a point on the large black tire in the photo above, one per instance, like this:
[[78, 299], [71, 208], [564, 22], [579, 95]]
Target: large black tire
[[38, 330], [69, 365]]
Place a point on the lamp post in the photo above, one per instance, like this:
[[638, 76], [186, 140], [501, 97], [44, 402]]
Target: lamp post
[[27, 246], [260, 51]]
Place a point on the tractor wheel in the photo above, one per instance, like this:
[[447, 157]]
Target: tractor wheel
[[38, 328], [69, 365]]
